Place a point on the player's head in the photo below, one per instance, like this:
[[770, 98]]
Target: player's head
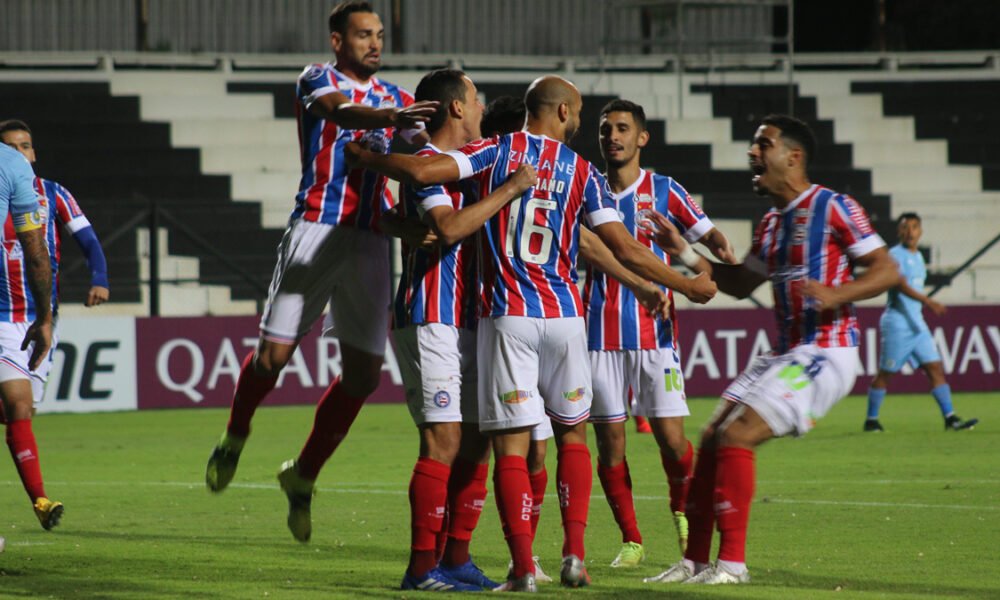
[[17, 135], [356, 36], [622, 132], [458, 100], [503, 115], [556, 103], [909, 229], [781, 147]]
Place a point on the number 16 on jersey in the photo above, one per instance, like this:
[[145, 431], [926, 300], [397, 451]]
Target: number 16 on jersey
[[533, 234]]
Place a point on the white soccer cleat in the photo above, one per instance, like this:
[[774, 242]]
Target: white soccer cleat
[[540, 576], [677, 573], [716, 575]]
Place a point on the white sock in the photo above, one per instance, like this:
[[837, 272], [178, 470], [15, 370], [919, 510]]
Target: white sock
[[695, 567], [732, 567]]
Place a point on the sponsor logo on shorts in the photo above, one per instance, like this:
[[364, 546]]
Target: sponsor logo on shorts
[[575, 395], [442, 399], [515, 397]]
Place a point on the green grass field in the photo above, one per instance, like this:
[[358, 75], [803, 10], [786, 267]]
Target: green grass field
[[912, 513]]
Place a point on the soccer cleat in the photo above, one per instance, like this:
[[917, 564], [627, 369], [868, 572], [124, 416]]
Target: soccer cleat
[[677, 573], [573, 572], [681, 525], [524, 583], [630, 555], [955, 423], [642, 425], [716, 575], [540, 575], [435, 581], [468, 573], [300, 492], [873, 425], [222, 464], [49, 513]]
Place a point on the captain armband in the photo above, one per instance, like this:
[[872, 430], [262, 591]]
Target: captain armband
[[28, 221]]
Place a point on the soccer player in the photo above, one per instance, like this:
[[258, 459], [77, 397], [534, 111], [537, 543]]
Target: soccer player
[[631, 350], [806, 245], [25, 350], [905, 335], [332, 252], [531, 337]]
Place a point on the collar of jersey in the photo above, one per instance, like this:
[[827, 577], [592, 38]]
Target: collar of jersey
[[802, 196], [630, 190], [354, 83]]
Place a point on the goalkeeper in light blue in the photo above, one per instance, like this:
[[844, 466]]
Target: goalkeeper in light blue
[[905, 336]]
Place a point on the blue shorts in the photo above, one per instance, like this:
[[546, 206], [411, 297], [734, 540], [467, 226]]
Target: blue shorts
[[900, 347]]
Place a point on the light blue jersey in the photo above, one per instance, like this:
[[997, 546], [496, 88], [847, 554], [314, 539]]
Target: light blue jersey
[[903, 313], [17, 189]]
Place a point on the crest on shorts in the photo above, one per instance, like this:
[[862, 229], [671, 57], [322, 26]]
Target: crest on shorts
[[442, 399], [575, 395], [515, 397]]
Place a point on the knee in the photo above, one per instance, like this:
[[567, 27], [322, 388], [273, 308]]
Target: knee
[[536, 455], [269, 362], [360, 384]]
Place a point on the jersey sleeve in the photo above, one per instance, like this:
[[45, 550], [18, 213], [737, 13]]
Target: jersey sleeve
[[426, 198], [851, 227], [67, 211], [682, 210], [598, 203], [314, 83], [17, 186], [476, 157]]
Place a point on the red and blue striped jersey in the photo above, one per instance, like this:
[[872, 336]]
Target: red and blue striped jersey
[[815, 237], [330, 192], [439, 285], [529, 248], [59, 208], [615, 319]]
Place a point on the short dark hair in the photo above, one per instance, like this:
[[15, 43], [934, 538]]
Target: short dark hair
[[619, 105], [796, 130], [907, 216], [343, 11], [503, 115], [443, 86], [14, 125]]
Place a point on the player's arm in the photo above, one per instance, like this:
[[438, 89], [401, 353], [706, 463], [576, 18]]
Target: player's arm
[[31, 235], [638, 259], [338, 108], [718, 244], [600, 257], [737, 280], [880, 275], [411, 231], [404, 168], [99, 292], [934, 306], [455, 225]]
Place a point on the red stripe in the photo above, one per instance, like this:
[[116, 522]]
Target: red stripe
[[550, 302], [322, 166], [512, 289], [611, 315]]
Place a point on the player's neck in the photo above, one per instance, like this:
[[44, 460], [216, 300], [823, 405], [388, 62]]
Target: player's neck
[[546, 128], [621, 177], [791, 188], [351, 72], [448, 137]]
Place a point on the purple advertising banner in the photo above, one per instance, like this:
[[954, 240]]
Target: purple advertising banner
[[185, 362]]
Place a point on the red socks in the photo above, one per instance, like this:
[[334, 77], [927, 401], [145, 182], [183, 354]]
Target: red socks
[[466, 496], [24, 450], [679, 477], [700, 510], [428, 494], [617, 484], [250, 391], [734, 483], [513, 496], [575, 479], [334, 416], [539, 481]]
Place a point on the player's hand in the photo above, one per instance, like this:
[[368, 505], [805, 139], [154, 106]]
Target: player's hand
[[523, 178], [824, 297], [97, 295], [936, 307], [654, 300], [726, 255], [421, 236], [418, 112], [701, 289], [664, 233], [40, 334]]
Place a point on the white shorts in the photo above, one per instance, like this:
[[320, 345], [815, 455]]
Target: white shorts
[[654, 377], [14, 361], [542, 431], [792, 391], [532, 367], [343, 266], [438, 366]]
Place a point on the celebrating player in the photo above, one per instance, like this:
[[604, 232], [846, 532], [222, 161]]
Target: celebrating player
[[806, 245], [631, 350], [905, 335], [531, 337], [331, 252], [25, 345]]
